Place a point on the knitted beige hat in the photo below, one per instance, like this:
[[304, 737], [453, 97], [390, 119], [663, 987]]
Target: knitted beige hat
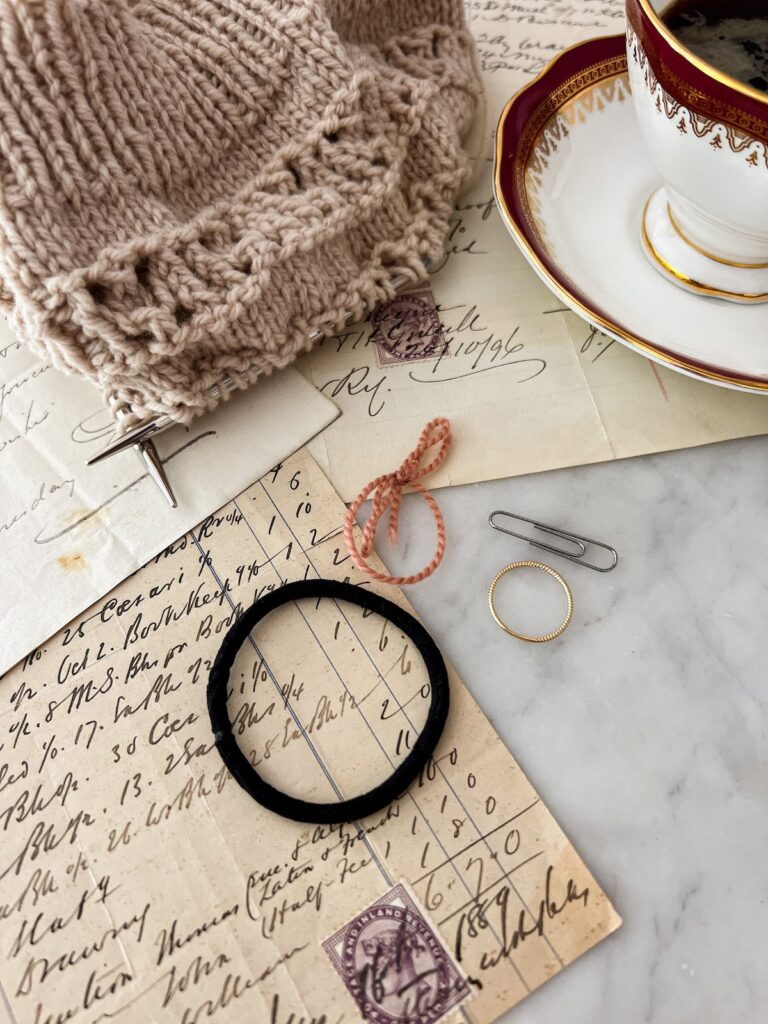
[[190, 187]]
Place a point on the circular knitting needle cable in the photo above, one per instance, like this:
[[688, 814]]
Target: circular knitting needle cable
[[522, 636]]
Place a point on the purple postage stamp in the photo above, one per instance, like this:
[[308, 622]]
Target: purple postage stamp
[[394, 964], [407, 328]]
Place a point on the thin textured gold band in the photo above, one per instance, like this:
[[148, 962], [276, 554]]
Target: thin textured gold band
[[521, 636], [710, 255]]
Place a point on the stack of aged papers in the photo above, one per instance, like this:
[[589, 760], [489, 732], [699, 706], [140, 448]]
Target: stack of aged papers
[[526, 386], [139, 883], [70, 532]]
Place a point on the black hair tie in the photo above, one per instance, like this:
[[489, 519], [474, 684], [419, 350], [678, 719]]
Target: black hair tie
[[383, 794]]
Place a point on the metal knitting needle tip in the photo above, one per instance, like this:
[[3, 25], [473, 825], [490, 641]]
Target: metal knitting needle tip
[[150, 459], [143, 432]]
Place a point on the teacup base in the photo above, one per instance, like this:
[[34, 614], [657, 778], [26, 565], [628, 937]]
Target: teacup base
[[682, 263]]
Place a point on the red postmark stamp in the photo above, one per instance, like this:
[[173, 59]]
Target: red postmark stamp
[[408, 328]]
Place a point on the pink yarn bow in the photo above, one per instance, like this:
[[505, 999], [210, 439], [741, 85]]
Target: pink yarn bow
[[387, 493]]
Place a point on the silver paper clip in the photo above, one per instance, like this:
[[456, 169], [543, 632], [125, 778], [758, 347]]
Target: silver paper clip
[[140, 437], [581, 545]]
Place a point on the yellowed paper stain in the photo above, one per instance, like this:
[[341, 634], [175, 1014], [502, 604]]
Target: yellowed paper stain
[[72, 563]]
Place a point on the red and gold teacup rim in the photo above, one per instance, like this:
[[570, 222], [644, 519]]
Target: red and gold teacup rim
[[728, 81]]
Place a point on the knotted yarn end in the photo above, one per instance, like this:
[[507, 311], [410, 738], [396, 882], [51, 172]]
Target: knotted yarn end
[[387, 492]]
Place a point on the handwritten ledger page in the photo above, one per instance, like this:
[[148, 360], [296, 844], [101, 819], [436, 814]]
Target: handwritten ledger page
[[488, 346], [139, 883], [70, 532]]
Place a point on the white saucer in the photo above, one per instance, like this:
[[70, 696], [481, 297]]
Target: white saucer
[[572, 179]]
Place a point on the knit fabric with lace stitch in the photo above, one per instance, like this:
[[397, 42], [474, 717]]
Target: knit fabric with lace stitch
[[189, 188]]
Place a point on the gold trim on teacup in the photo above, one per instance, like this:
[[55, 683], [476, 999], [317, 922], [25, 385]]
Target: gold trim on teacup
[[709, 255], [689, 282], [722, 124], [560, 285], [716, 122], [708, 69]]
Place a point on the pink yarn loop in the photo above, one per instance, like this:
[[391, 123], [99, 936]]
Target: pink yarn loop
[[387, 491]]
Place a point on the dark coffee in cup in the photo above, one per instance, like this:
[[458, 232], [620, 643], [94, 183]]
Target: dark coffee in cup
[[731, 35]]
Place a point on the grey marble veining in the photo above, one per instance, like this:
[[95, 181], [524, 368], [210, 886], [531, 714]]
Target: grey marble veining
[[645, 727]]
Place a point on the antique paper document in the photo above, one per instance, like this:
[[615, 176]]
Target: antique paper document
[[139, 883], [647, 408], [70, 532], [487, 345]]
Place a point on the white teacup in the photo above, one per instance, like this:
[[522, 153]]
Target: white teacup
[[706, 229]]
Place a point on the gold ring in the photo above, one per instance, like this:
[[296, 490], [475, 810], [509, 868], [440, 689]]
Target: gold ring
[[521, 636]]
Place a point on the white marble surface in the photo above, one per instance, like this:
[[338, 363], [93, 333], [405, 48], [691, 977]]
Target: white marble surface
[[645, 727]]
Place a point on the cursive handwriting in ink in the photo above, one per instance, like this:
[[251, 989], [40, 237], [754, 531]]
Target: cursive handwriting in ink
[[44, 492], [360, 382], [495, 914], [111, 891], [47, 537], [32, 419]]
